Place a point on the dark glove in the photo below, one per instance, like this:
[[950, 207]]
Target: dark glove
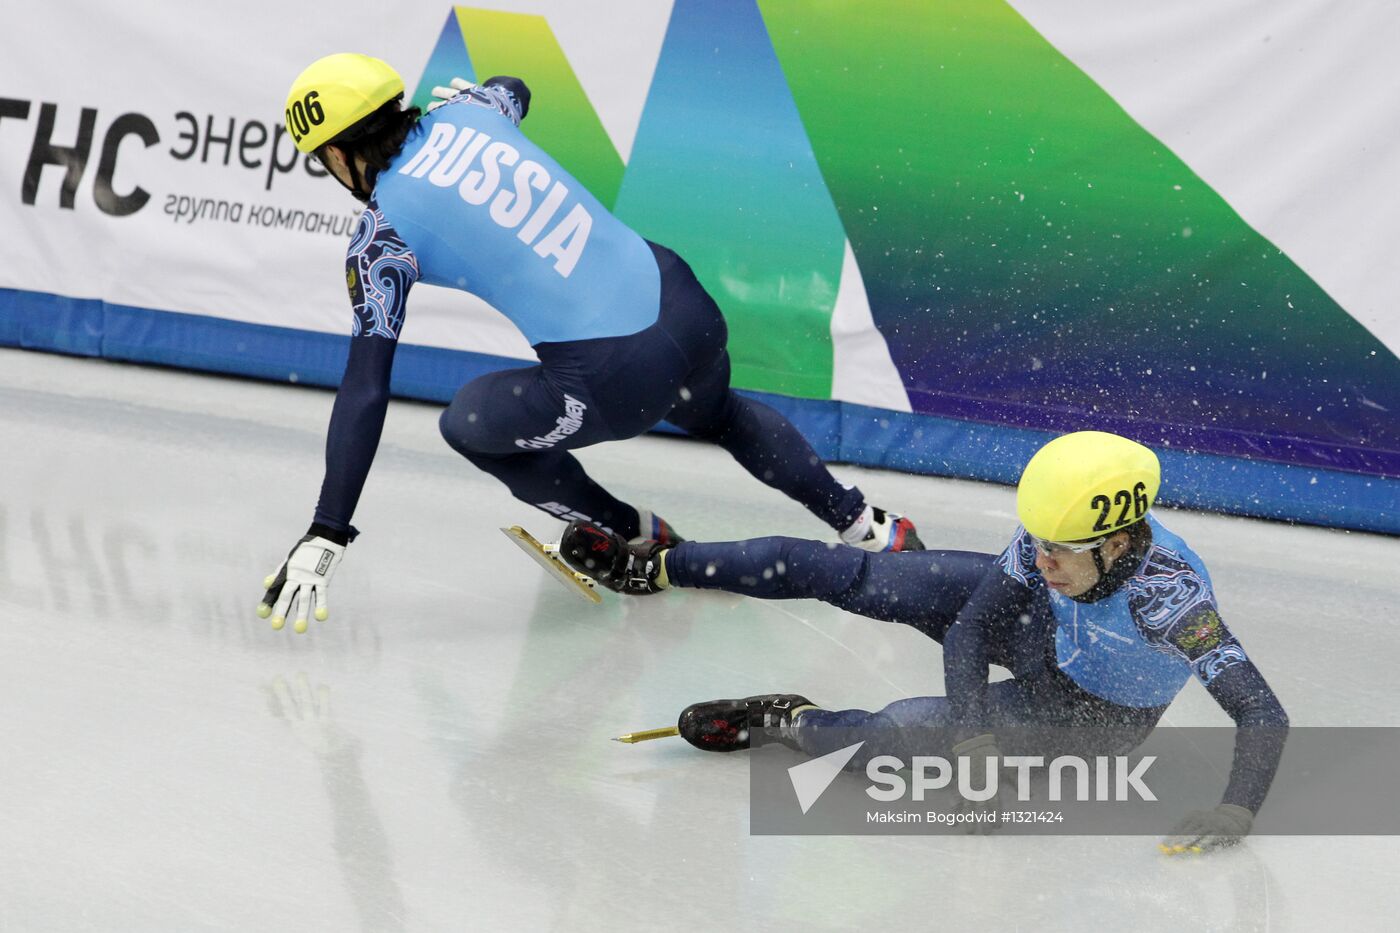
[[1203, 831], [977, 750]]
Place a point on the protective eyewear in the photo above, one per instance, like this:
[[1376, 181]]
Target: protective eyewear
[[1058, 548]]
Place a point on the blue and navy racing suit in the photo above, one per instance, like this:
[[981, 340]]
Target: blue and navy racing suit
[[625, 333], [1112, 666]]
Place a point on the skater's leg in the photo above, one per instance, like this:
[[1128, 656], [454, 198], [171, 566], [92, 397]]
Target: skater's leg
[[922, 725], [516, 425], [924, 589], [764, 443], [1028, 716], [556, 483], [885, 732]]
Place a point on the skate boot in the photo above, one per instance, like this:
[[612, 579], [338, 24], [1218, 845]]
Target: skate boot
[[610, 559], [878, 530], [726, 725], [655, 528]]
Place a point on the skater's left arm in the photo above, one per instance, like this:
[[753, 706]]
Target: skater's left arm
[[300, 584], [352, 438], [1231, 678], [380, 269]]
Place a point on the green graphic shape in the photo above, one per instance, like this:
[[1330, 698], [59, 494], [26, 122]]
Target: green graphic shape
[[1038, 258], [562, 120], [449, 60], [722, 172]]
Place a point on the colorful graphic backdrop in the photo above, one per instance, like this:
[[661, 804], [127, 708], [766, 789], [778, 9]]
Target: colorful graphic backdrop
[[937, 240]]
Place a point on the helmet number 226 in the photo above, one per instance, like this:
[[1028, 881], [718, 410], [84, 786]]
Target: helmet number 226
[[1135, 500]]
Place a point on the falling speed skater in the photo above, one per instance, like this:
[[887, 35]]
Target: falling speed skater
[[1100, 613], [625, 333]]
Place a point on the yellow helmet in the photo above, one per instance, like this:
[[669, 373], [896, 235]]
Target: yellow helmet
[[1086, 485], [335, 93]]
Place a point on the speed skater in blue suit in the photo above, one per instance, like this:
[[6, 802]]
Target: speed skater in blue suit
[[625, 333], [1100, 613]]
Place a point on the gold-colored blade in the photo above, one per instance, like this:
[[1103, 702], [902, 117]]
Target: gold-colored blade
[[632, 738], [585, 586]]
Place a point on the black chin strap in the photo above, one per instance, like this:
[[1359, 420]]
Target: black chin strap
[[1111, 578], [361, 187]]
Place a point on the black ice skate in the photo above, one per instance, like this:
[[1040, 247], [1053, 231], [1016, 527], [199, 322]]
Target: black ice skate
[[726, 725], [608, 558]]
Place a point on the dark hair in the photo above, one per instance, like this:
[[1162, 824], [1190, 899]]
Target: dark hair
[[1139, 537], [378, 137]]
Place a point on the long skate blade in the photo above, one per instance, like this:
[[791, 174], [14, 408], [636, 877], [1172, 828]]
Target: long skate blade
[[646, 735], [580, 584]]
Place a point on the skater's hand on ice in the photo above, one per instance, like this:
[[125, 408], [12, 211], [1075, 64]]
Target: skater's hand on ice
[[980, 815], [1203, 831], [444, 94], [301, 583]]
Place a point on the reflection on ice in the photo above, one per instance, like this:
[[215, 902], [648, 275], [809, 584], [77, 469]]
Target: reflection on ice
[[437, 755]]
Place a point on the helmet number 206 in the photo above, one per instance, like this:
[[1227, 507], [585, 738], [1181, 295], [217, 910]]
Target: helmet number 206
[[1135, 500], [304, 114]]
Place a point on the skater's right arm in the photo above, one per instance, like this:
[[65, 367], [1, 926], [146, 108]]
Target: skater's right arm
[[508, 95], [380, 269], [513, 95], [1004, 595]]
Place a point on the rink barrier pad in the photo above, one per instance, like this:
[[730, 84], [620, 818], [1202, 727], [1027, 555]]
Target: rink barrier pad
[[839, 431]]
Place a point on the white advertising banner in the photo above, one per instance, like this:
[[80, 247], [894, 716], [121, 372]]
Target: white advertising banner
[[168, 110], [989, 220], [169, 184]]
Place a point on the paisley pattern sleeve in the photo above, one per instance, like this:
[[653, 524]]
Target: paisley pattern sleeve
[[511, 96], [1018, 560], [1193, 630], [507, 96], [379, 271], [1176, 612]]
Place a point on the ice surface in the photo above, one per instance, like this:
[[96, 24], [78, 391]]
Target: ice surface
[[437, 754]]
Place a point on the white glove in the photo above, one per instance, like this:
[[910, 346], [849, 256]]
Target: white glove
[[302, 579], [444, 94]]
